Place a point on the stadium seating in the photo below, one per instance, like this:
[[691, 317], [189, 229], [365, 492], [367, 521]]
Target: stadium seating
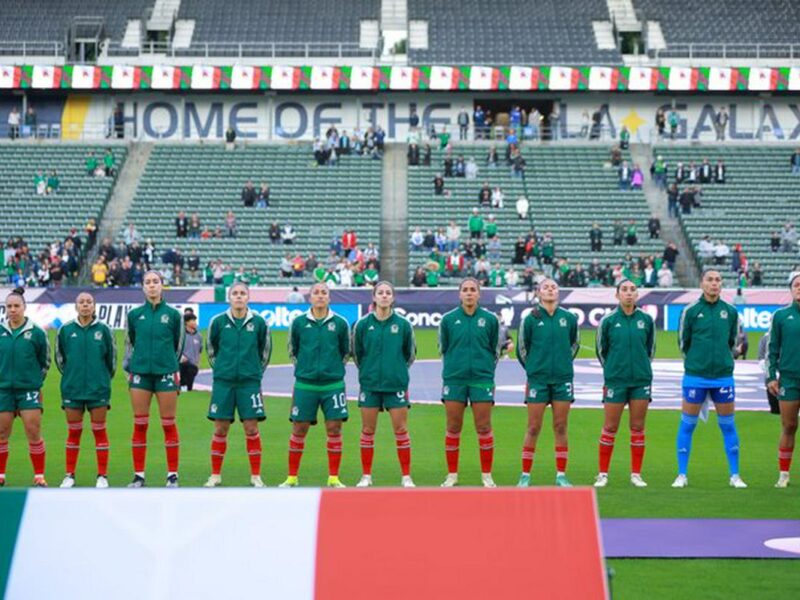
[[760, 195], [510, 32], [42, 219], [568, 189], [318, 202]]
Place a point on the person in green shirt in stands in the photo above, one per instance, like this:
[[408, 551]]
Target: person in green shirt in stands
[[255, 278], [432, 278], [491, 227], [91, 164], [624, 138], [358, 276], [319, 274], [497, 277], [108, 163], [475, 225], [40, 183], [371, 275], [53, 182], [444, 137]]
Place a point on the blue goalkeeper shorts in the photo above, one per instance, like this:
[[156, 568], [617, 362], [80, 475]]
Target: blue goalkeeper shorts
[[719, 391]]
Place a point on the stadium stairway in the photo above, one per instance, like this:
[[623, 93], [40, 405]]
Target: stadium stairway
[[394, 215]]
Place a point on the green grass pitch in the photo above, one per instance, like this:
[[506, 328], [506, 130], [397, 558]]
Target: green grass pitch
[[709, 496]]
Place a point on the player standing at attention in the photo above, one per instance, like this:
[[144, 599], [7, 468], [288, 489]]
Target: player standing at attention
[[24, 360], [383, 348], [546, 347], [625, 345], [783, 374], [238, 348], [86, 356], [469, 342], [153, 347], [706, 336], [319, 346]]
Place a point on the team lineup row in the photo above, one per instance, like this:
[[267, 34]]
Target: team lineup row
[[382, 346]]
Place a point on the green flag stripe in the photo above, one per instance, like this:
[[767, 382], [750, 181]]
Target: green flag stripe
[[12, 504]]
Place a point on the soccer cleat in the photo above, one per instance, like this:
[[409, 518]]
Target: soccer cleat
[[562, 481], [681, 481], [333, 482], [138, 482], [601, 480], [736, 482], [69, 481], [487, 481], [256, 482], [172, 480], [524, 480], [637, 481], [451, 480], [102, 482], [213, 481], [783, 480], [407, 482], [365, 481], [39, 481], [291, 481]]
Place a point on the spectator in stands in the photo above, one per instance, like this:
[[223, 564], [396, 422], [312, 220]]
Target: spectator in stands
[[429, 241], [118, 121], [512, 139], [99, 272], [432, 277], [438, 185], [585, 123], [471, 169], [349, 240], [14, 119], [738, 259], [491, 227], [674, 121], [31, 120], [615, 157], [463, 124], [721, 123], [672, 200], [658, 171], [691, 173], [654, 227], [619, 232], [665, 277], [475, 225], [193, 263], [230, 138], [319, 152], [775, 241], [706, 172], [181, 225], [416, 240], [719, 172], [447, 165], [518, 164], [426, 156], [109, 163], [686, 200], [248, 194], [53, 182], [661, 122], [670, 255], [418, 279], [624, 175], [231, 226], [624, 138], [131, 234], [491, 157], [681, 173], [497, 197], [460, 167], [413, 155], [756, 275], [721, 252], [413, 118], [444, 137], [479, 122], [705, 250], [344, 145], [288, 234], [91, 233], [193, 228], [440, 239], [649, 275], [596, 238], [637, 178], [298, 265], [380, 139], [274, 232], [40, 183], [596, 128], [794, 161], [262, 200], [91, 164], [631, 235], [522, 206], [789, 238], [485, 195], [286, 269]]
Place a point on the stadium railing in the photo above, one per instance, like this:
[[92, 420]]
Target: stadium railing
[[728, 51], [27, 49], [248, 50]]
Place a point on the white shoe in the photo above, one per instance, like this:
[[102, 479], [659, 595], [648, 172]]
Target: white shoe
[[783, 480], [213, 481], [601, 480], [736, 482], [102, 482], [256, 482], [487, 481], [637, 480], [451, 480], [407, 482], [681, 481], [69, 482], [365, 481]]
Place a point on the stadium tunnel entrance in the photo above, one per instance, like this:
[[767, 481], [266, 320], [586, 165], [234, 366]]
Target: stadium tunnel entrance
[[501, 107]]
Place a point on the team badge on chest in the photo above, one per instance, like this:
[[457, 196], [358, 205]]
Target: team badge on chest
[[98, 335], [481, 322], [331, 326], [165, 319]]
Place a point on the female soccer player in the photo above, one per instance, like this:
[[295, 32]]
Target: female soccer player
[[783, 374], [469, 342], [382, 345], [153, 347], [706, 336], [24, 360], [625, 345], [86, 356], [546, 346], [238, 349], [319, 346]]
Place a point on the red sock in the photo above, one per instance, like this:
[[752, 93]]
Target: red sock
[[37, 452], [784, 459], [334, 454], [139, 441], [3, 459], [254, 452], [403, 442], [367, 452], [486, 446], [562, 453], [219, 444], [637, 451], [606, 448], [451, 443], [172, 443], [74, 431], [527, 459], [101, 447], [296, 446]]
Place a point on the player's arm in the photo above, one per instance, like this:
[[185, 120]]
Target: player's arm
[[774, 348], [600, 341], [442, 338], [651, 338], [59, 355], [523, 342], [494, 338], [293, 341], [130, 341], [43, 352], [179, 335], [344, 341], [212, 342], [574, 337], [111, 351], [409, 345], [685, 331], [356, 347], [265, 346]]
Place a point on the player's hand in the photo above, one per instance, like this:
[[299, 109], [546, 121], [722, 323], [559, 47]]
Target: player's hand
[[773, 387]]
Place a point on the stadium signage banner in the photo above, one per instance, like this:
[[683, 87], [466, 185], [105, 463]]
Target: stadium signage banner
[[278, 316], [52, 316], [752, 318], [429, 78]]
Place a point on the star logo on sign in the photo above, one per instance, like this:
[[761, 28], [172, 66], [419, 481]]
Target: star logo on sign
[[633, 121]]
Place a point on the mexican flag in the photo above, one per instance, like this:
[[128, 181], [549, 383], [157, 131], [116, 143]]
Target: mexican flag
[[325, 78], [125, 77], [9, 77], [642, 79], [564, 78], [285, 78], [483, 78], [722, 79], [603, 78], [682, 79], [762, 79], [404, 78], [364, 78], [85, 77], [166, 77], [794, 79], [46, 77], [444, 78], [245, 77], [523, 79], [205, 77]]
